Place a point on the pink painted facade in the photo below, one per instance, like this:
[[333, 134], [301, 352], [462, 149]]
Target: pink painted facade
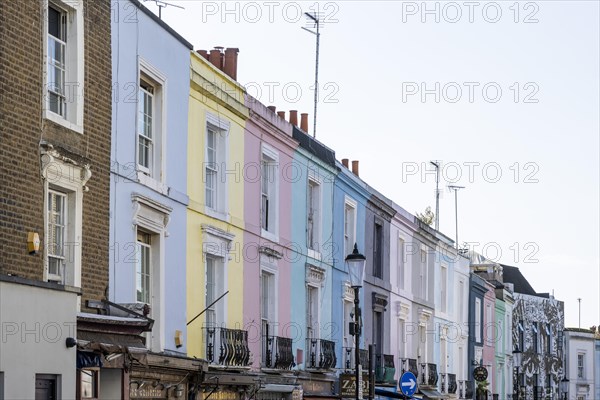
[[265, 131]]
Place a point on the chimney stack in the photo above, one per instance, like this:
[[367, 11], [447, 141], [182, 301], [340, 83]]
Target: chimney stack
[[272, 108], [203, 53], [355, 167], [231, 58], [281, 114], [215, 58], [304, 122], [294, 117], [345, 162]]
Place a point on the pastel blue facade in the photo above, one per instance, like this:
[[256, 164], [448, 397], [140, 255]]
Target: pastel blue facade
[[151, 67], [312, 259], [348, 190]]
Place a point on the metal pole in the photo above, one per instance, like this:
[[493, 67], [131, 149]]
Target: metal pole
[[316, 83], [357, 330], [579, 300], [437, 194], [456, 214]]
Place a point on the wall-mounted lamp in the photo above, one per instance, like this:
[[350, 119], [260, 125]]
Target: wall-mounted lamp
[[70, 342], [33, 243], [178, 338]]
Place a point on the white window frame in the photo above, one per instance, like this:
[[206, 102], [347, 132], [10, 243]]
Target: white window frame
[[350, 206], [348, 307], [444, 288], [272, 192], [153, 218], [580, 365], [216, 244], [74, 65], [142, 246], [268, 267], [63, 176], [312, 310], [400, 262], [59, 255], [155, 176], [423, 269], [489, 321], [316, 207], [221, 128]]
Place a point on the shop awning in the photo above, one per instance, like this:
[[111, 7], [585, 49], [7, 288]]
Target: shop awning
[[432, 394], [272, 387]]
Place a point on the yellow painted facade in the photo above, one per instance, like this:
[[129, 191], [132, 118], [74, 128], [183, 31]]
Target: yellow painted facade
[[217, 101]]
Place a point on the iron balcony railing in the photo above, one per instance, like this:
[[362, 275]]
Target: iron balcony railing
[[430, 375], [321, 354], [278, 353], [413, 367], [469, 389], [350, 364], [384, 368], [452, 383], [227, 347]]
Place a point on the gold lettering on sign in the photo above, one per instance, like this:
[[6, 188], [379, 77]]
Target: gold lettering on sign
[[221, 395], [147, 393]]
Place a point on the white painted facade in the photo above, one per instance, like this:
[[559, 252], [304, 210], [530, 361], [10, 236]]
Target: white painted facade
[[580, 354], [37, 318]]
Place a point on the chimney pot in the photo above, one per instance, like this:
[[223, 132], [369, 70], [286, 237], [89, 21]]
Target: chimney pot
[[294, 117], [215, 58], [304, 122], [355, 167], [272, 108], [281, 114], [231, 58], [345, 162]]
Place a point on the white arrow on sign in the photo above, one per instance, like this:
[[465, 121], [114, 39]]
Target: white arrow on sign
[[411, 384]]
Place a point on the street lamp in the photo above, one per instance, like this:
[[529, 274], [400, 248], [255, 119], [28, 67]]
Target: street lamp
[[356, 269], [517, 360], [564, 387]]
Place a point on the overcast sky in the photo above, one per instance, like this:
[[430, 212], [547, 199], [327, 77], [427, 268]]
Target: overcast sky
[[506, 94]]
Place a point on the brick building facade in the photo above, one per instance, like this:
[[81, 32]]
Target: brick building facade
[[55, 137], [24, 130]]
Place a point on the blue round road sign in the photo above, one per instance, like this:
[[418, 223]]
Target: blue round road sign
[[408, 383]]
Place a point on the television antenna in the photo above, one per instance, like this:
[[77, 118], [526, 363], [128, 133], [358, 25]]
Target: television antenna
[[314, 17], [163, 4]]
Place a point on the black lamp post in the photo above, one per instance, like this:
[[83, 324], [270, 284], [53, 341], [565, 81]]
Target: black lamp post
[[517, 360], [356, 269], [564, 386]]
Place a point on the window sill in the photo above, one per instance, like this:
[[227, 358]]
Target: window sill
[[57, 119], [269, 235], [152, 183], [217, 214], [314, 254]]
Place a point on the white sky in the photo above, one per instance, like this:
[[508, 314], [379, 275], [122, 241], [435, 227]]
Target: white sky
[[541, 214]]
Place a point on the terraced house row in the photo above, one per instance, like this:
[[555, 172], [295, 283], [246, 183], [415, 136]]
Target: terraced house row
[[165, 235]]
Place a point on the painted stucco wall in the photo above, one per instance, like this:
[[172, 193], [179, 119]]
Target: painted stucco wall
[[346, 186], [133, 41], [264, 126], [214, 95], [308, 166], [35, 324]]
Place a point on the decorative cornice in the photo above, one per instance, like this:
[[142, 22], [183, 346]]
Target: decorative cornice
[[315, 275], [270, 252], [52, 156], [380, 302], [214, 231]]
